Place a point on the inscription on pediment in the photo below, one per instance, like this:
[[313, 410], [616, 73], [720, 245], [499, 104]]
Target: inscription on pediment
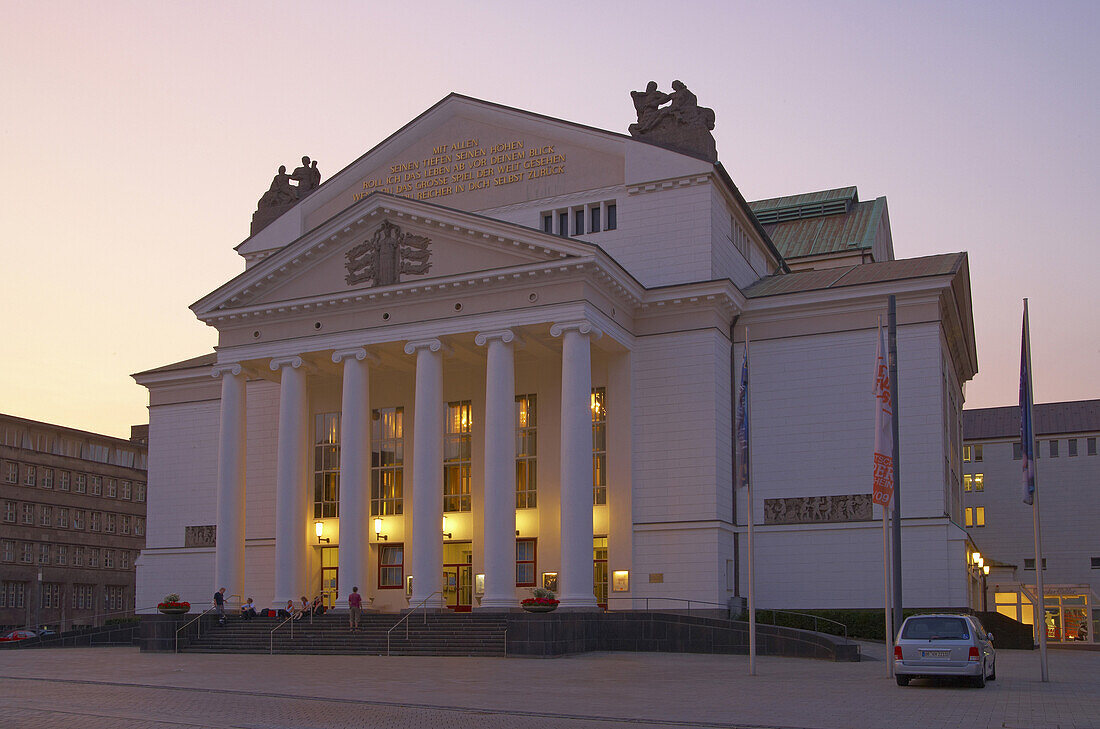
[[388, 253]]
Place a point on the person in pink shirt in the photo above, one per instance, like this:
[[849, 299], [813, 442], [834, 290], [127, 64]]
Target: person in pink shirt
[[355, 609]]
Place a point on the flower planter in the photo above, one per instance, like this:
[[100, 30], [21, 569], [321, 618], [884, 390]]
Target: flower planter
[[174, 609], [536, 608]]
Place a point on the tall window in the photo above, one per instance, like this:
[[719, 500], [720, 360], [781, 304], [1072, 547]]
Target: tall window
[[93, 557], [12, 594], [26, 554], [326, 465], [525, 562], [28, 476], [612, 217], [1090, 444], [139, 492], [109, 523], [78, 556], [43, 554], [126, 490], [62, 554], [115, 597], [11, 473], [45, 516], [1072, 447], [51, 594], [975, 517], [387, 462], [526, 453], [82, 597], [80, 483], [28, 514], [78, 519], [599, 570], [599, 445], [391, 566], [63, 480], [9, 550], [9, 512], [63, 518], [112, 488], [1054, 449], [46, 481], [95, 485], [94, 521], [456, 457], [974, 482]]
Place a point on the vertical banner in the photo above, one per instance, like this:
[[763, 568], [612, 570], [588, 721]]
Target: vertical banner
[[883, 484], [746, 481], [1027, 429]]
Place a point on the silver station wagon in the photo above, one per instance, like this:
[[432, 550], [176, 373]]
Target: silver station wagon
[[944, 645]]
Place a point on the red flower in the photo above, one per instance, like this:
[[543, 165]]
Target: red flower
[[174, 605]]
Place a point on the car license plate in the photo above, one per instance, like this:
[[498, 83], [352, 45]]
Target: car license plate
[[935, 654]]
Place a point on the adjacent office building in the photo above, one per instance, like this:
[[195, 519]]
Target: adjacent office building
[[1000, 524], [73, 523], [500, 350]]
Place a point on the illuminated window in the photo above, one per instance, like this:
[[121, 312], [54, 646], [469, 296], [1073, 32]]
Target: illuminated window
[[968, 482], [979, 516], [979, 482], [966, 454], [326, 465], [525, 562], [391, 566], [969, 517], [599, 445], [526, 453], [456, 457], [387, 462], [599, 570]]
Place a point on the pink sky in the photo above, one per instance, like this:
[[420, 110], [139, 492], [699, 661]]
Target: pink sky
[[137, 138]]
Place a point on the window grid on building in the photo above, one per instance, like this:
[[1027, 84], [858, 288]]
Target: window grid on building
[[108, 523], [526, 452], [599, 570], [45, 516], [391, 566], [599, 445], [125, 491], [80, 483], [46, 481], [387, 474], [62, 555], [1072, 449], [63, 480], [13, 594], [975, 516], [112, 488], [82, 597], [51, 594], [28, 514], [9, 550], [11, 473], [326, 465], [456, 457], [29, 476], [95, 485], [9, 512], [43, 554], [526, 551], [1054, 449], [62, 518], [115, 597], [78, 519], [1029, 563], [1090, 445]]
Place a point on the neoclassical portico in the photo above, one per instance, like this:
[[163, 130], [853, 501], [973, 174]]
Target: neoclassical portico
[[495, 348]]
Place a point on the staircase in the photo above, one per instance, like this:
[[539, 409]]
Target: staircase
[[429, 634]]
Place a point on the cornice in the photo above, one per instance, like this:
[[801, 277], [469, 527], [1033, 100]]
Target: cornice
[[668, 184]]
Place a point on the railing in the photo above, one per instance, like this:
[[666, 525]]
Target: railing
[[197, 618], [408, 615], [271, 635], [774, 613]]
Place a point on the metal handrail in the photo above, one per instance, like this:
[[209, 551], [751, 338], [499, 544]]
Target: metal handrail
[[188, 623], [816, 618], [271, 635], [134, 613], [405, 618]]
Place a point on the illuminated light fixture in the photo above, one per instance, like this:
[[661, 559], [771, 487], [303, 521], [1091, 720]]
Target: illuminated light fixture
[[976, 556], [446, 533], [319, 527], [378, 530], [620, 581], [479, 584], [985, 569], [981, 562]]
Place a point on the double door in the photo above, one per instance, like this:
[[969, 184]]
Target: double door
[[458, 589]]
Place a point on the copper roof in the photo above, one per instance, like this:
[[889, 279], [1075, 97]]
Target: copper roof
[[1052, 418], [855, 275]]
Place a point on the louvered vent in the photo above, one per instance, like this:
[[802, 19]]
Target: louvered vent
[[813, 210]]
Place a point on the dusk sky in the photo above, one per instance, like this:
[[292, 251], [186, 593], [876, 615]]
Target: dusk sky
[[137, 138]]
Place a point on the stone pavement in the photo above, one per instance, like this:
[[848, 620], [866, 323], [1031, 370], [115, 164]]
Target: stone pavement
[[121, 688]]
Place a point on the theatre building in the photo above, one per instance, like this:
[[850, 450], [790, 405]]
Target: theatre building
[[500, 351]]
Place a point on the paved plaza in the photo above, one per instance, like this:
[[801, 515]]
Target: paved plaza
[[121, 688]]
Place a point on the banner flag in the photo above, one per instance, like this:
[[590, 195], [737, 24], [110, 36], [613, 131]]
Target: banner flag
[[743, 422], [883, 484], [1027, 429]]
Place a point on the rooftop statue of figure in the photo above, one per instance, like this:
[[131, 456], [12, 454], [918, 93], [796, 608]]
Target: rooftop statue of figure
[[282, 195], [683, 125]]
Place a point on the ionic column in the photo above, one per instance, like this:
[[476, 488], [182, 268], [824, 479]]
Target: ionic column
[[291, 481], [229, 545], [500, 471], [425, 555], [355, 454], [575, 581]]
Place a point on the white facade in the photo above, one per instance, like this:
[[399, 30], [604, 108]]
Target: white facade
[[632, 323]]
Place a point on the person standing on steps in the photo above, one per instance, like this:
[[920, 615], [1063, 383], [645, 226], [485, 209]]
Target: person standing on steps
[[219, 605], [355, 609]]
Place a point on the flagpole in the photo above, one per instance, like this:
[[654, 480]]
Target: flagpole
[[1040, 610], [895, 405], [749, 521]]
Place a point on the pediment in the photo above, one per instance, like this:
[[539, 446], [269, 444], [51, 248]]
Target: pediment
[[386, 242], [473, 155]]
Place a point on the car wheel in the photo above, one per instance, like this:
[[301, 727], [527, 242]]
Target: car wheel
[[992, 672], [979, 680], [902, 680]]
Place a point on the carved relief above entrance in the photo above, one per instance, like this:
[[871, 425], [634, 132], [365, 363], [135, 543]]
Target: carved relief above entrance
[[818, 509], [388, 253], [200, 536]]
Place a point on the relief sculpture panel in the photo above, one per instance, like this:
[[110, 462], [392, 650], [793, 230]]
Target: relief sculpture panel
[[200, 536], [818, 509]]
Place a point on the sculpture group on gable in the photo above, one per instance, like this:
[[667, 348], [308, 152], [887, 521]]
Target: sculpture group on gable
[[282, 195], [386, 255], [681, 125]]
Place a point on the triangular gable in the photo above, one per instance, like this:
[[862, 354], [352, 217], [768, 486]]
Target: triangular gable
[[385, 240], [474, 155]]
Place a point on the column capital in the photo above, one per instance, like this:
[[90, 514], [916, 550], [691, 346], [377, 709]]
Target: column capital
[[582, 326], [432, 345], [232, 368], [296, 362], [507, 336], [359, 353]]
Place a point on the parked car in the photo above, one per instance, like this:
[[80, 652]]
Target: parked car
[[944, 645], [47, 633], [19, 635]]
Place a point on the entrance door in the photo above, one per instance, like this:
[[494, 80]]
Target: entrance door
[[458, 576], [329, 572]]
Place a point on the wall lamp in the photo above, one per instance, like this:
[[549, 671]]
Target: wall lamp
[[378, 531], [319, 526]]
